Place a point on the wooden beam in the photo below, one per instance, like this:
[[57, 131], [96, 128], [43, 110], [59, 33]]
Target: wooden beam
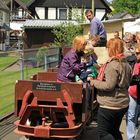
[[93, 6]]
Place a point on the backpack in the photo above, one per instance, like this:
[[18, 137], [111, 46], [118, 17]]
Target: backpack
[[131, 60]]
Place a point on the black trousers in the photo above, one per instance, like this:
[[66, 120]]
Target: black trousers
[[102, 42], [109, 122]]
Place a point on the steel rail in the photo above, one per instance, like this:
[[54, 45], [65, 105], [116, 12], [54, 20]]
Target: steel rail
[[6, 116]]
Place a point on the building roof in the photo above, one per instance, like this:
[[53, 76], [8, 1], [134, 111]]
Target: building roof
[[70, 3], [114, 20], [3, 6], [120, 20], [19, 2], [122, 15], [35, 23]]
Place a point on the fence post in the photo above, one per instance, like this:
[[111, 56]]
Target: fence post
[[21, 66], [45, 62]]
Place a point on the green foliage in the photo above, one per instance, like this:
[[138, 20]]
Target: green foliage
[[40, 55], [25, 1], [130, 6], [77, 14], [65, 33]]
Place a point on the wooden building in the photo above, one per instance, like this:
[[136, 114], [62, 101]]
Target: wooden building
[[64, 9], [49, 13], [4, 25]]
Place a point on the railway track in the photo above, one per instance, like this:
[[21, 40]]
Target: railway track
[[6, 125]]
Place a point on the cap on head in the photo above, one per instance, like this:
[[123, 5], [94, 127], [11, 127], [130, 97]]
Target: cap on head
[[88, 49]]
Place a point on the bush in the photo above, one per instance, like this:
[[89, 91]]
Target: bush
[[65, 33], [41, 55]]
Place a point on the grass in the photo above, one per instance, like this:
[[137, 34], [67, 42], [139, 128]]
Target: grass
[[7, 83], [5, 61]]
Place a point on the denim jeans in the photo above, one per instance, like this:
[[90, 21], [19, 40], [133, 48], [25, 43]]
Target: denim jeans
[[131, 118]]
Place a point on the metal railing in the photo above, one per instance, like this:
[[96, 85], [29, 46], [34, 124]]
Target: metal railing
[[23, 70]]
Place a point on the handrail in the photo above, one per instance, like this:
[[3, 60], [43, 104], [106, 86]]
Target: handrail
[[52, 60]]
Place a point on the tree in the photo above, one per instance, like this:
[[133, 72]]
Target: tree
[[41, 55], [25, 1], [65, 33], [131, 6]]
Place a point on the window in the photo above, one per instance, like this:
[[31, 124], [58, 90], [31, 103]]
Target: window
[[62, 13], [100, 13], [41, 12], [51, 13]]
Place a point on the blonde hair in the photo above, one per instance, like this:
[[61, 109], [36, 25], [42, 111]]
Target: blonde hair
[[79, 43], [115, 46], [137, 47]]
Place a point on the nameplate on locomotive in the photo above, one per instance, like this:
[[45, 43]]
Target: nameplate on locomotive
[[46, 86]]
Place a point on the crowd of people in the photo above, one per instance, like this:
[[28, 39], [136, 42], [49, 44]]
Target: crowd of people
[[117, 81]]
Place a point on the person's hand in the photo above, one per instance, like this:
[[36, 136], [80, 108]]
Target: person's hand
[[91, 81], [97, 66], [89, 78], [80, 82]]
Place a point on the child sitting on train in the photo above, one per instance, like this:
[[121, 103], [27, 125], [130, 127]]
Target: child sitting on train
[[93, 40], [91, 71]]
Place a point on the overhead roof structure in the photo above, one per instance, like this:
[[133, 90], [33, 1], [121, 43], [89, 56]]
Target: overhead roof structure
[[121, 16], [45, 23], [71, 3], [3, 6]]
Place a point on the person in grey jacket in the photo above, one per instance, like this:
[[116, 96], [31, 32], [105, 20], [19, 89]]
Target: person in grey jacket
[[112, 91]]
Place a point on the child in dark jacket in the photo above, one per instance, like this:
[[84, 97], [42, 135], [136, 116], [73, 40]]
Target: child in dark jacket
[[90, 72]]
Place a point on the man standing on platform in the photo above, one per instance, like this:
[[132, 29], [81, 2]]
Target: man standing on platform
[[97, 28]]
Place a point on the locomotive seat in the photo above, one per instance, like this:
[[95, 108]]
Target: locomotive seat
[[47, 76]]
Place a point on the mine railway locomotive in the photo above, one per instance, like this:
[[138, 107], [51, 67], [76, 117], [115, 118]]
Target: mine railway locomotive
[[48, 109]]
